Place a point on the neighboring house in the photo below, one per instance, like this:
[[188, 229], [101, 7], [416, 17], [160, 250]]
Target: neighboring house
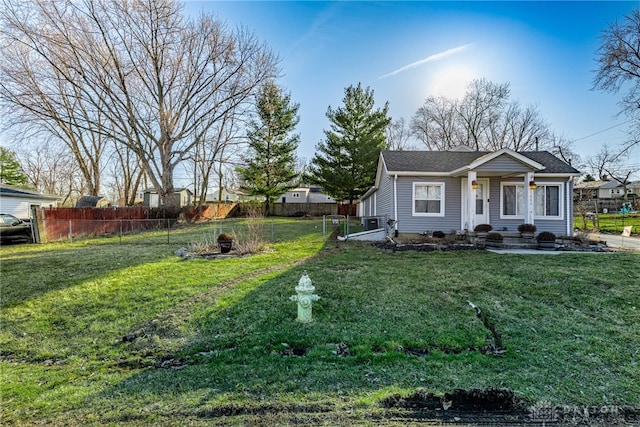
[[152, 198], [458, 189], [612, 190], [587, 190], [603, 190], [20, 202], [229, 195], [305, 195]]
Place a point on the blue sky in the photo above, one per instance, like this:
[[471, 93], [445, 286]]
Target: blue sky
[[406, 51]]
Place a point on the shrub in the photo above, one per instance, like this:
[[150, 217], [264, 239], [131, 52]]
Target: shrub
[[483, 228], [527, 228], [546, 236], [224, 237], [438, 234], [495, 236]]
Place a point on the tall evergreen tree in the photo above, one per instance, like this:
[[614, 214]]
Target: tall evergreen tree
[[270, 161], [345, 162], [11, 172]]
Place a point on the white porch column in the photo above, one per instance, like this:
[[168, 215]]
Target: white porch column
[[471, 200], [528, 198]]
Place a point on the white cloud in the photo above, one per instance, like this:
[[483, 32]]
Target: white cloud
[[432, 58]]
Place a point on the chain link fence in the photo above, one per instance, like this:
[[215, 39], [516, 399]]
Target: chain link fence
[[174, 232]]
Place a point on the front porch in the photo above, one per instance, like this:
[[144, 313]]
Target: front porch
[[510, 240]]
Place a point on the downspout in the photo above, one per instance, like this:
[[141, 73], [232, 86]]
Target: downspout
[[395, 203], [569, 199]]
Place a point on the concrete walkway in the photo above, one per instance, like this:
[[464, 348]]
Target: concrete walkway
[[613, 241]]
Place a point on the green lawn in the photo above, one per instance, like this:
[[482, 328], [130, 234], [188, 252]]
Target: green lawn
[[609, 223], [97, 333]]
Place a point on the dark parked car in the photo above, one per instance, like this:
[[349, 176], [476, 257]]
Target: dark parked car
[[13, 229]]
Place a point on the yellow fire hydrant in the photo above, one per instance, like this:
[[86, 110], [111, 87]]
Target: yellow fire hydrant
[[305, 298]]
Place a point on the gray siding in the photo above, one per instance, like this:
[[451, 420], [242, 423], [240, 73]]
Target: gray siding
[[380, 203], [557, 226], [407, 223], [503, 164], [384, 202]]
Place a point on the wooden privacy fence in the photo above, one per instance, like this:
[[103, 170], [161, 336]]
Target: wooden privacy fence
[[70, 223]]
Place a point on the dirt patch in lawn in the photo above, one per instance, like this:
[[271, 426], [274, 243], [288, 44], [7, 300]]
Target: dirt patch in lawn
[[165, 332], [476, 407], [501, 407]]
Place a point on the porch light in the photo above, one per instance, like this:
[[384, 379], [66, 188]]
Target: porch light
[[532, 185], [474, 184]]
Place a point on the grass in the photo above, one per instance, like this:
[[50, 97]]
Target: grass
[[207, 339], [610, 223]]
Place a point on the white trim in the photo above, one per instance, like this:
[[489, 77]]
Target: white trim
[[569, 208], [465, 222], [561, 200], [510, 184], [395, 201], [375, 204], [414, 173], [504, 151], [442, 198]]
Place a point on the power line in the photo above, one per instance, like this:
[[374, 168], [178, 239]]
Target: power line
[[601, 131]]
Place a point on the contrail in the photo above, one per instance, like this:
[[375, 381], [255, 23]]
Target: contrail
[[432, 58]]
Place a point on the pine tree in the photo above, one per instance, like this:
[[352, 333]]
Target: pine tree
[[345, 163], [10, 170], [270, 161]]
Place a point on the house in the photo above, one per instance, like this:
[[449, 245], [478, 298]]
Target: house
[[309, 194], [20, 202], [609, 189], [152, 197], [613, 190], [230, 195], [458, 189], [587, 190]]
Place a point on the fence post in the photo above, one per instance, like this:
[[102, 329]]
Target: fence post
[[324, 226], [168, 230], [70, 233], [121, 232]]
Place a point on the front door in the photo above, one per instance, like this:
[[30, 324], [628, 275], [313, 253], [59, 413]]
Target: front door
[[482, 203]]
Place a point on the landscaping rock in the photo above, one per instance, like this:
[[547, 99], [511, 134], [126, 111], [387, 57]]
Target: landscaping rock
[[182, 252]]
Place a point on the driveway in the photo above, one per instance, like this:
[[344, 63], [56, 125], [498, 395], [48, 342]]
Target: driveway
[[617, 241]]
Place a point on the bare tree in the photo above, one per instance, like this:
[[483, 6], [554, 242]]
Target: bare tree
[[610, 165], [562, 147], [126, 175], [481, 105], [483, 120], [399, 136], [619, 68], [146, 77], [435, 123], [217, 149], [51, 169]]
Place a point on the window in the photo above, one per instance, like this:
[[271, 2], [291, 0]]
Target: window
[[295, 195], [547, 200], [512, 200], [428, 199]]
